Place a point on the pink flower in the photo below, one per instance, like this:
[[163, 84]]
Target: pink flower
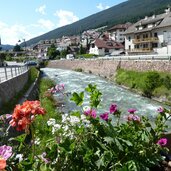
[[162, 141], [5, 152], [113, 108], [43, 156], [90, 112], [160, 110], [132, 117], [132, 110], [105, 116]]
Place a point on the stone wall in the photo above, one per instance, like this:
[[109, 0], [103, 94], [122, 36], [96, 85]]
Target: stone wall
[[11, 87], [107, 68]]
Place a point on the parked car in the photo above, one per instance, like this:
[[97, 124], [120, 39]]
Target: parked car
[[31, 63]]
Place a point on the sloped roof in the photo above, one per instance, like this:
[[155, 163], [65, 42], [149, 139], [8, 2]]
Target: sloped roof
[[161, 20], [120, 26], [108, 44]]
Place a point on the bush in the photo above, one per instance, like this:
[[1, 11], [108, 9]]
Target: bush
[[152, 80]]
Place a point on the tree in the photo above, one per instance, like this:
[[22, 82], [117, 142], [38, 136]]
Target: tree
[[52, 52], [17, 48]]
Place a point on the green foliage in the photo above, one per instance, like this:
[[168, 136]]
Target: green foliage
[[52, 52], [78, 69], [149, 83], [77, 142], [17, 48]]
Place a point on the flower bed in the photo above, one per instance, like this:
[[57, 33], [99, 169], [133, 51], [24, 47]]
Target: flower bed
[[85, 139]]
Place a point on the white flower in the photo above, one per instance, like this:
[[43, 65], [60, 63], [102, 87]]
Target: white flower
[[19, 156], [37, 141], [55, 128], [74, 119], [51, 121]]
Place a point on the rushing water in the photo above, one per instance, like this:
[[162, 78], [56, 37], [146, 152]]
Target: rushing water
[[111, 93]]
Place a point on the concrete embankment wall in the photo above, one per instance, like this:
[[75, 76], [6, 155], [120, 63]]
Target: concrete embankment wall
[[107, 68], [11, 87]]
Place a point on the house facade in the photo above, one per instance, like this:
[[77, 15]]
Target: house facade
[[151, 35], [116, 33], [103, 47]]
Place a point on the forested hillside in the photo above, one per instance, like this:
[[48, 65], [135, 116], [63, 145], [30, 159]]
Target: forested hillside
[[129, 11]]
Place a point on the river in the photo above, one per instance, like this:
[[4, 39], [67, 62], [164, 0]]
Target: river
[[111, 93]]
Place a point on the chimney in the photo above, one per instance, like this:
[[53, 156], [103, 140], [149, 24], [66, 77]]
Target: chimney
[[146, 17], [167, 10], [154, 16]]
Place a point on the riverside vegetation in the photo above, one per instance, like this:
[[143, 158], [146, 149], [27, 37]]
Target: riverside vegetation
[[149, 84], [82, 139]]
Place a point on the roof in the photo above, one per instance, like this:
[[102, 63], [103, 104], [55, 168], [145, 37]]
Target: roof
[[120, 26], [108, 44], [161, 20]]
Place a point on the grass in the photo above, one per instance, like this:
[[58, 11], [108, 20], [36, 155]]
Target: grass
[[49, 103], [151, 83]]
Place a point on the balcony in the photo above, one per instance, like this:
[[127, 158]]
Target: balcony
[[140, 50], [145, 40]]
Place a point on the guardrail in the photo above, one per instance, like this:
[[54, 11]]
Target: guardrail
[[9, 72], [138, 57]]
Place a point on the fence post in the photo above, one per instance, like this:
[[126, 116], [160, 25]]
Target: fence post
[[6, 77], [15, 71], [11, 73]]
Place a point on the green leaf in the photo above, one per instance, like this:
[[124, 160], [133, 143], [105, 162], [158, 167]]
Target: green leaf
[[100, 163], [109, 140], [128, 143], [78, 98], [76, 113], [118, 144]]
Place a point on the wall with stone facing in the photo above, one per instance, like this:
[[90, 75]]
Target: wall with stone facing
[[107, 68], [11, 87]]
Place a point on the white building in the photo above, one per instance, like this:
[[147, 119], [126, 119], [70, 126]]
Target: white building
[[101, 47], [151, 35], [116, 33]]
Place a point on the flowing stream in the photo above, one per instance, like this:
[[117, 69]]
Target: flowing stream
[[111, 93]]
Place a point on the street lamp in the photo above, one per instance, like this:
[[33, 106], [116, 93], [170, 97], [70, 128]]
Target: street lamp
[[24, 46]]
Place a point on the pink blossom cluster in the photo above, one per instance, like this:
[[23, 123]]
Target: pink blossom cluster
[[57, 88]]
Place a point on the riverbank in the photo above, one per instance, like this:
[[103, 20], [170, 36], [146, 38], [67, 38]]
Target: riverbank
[[154, 85]]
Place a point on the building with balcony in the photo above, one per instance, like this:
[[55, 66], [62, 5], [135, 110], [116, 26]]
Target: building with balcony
[[116, 33], [151, 35]]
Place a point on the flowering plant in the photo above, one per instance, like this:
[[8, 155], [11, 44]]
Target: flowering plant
[[89, 140]]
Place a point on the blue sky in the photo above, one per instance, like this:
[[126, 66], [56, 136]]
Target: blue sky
[[25, 19]]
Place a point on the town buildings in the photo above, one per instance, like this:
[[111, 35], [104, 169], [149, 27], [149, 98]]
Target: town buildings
[[151, 35]]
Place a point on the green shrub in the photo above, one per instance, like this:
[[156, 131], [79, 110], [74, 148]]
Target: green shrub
[[78, 69], [152, 80]]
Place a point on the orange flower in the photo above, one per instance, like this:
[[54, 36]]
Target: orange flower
[[24, 114], [2, 163]]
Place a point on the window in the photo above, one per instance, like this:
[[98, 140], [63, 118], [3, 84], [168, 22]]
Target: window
[[155, 35], [129, 38], [155, 45], [129, 47], [93, 45]]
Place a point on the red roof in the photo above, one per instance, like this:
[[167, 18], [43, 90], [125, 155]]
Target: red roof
[[108, 44]]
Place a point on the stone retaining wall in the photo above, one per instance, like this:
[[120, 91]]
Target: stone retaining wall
[[107, 68], [11, 87]]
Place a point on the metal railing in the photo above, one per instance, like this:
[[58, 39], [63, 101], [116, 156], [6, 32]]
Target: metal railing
[[166, 57], [142, 40], [9, 72]]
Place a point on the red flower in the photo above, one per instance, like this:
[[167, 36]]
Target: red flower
[[24, 114]]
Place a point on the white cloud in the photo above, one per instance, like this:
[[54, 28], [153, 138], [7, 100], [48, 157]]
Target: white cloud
[[41, 9], [47, 24], [65, 17], [102, 7], [11, 34]]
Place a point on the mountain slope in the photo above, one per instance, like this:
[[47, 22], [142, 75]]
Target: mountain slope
[[131, 10]]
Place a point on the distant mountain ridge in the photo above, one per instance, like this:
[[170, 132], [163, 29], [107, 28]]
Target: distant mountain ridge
[[6, 47], [129, 11]]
